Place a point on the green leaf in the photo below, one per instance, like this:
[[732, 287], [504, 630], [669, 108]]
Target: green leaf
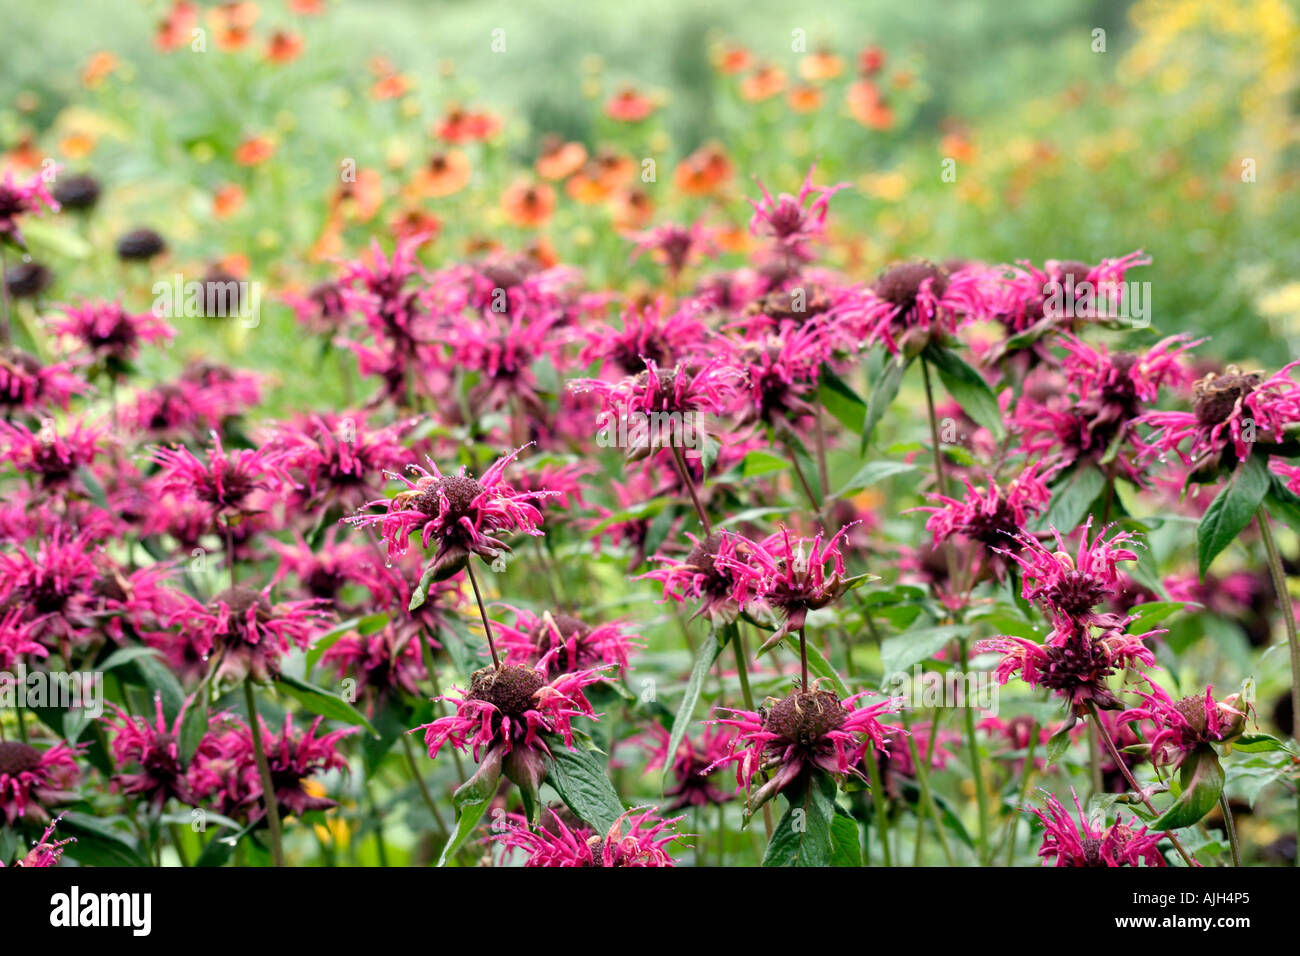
[[471, 800], [883, 392], [872, 472], [158, 678], [1201, 776], [322, 702], [840, 400], [1057, 745], [327, 640], [967, 387], [818, 665], [1152, 612], [803, 836], [846, 850], [1072, 495], [704, 662], [579, 778], [900, 652], [1258, 743], [758, 463], [194, 725], [1231, 510], [98, 843], [221, 848], [1282, 502]]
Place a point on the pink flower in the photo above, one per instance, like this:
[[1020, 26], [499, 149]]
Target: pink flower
[[503, 716], [1062, 291], [807, 731], [1083, 844], [791, 220], [463, 514], [798, 581], [385, 661], [676, 245], [28, 385], [643, 843], [226, 481], [557, 643], [32, 781], [1069, 587], [706, 387], [1235, 409], [16, 640], [994, 517], [51, 457], [109, 331], [912, 303], [1186, 725], [246, 632], [782, 371], [721, 572], [645, 335], [21, 199], [155, 749], [336, 457], [45, 852], [693, 765]]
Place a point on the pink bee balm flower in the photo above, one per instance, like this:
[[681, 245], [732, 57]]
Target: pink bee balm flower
[[386, 661], [503, 716], [224, 483], [686, 387], [247, 633], [21, 199], [721, 572], [465, 515], [912, 303], [798, 580], [28, 385], [791, 220], [17, 640], [558, 643], [1083, 844], [643, 843], [45, 852], [336, 457], [52, 457], [32, 781], [645, 334], [805, 732], [1069, 587], [1073, 662], [1184, 726], [675, 245], [693, 765], [108, 331], [154, 748], [1235, 409], [994, 517]]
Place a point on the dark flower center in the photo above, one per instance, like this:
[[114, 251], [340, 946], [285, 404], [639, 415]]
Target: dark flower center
[[1193, 710], [240, 599], [805, 717], [511, 689], [902, 284], [459, 490], [1217, 395], [1077, 592], [16, 758]]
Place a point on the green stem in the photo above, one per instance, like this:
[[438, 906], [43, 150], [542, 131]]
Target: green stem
[[976, 765], [269, 801], [1287, 608], [1026, 772], [922, 771], [685, 475], [738, 645], [1231, 826], [878, 802], [424, 788], [482, 611]]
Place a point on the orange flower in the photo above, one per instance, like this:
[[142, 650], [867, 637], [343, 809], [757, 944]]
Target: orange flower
[[329, 245], [735, 59], [77, 145], [527, 204], [235, 264], [629, 106], [25, 155], [97, 69], [804, 98], [558, 159], [412, 222], [444, 174], [598, 179], [867, 106], [233, 24], [763, 84], [360, 199], [283, 47], [464, 126], [820, 66], [254, 151], [176, 28], [703, 172], [227, 200], [308, 8], [958, 146], [631, 209], [732, 238], [391, 87]]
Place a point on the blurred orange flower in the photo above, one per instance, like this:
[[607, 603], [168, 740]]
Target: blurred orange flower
[[412, 222], [528, 205], [631, 209], [97, 69], [360, 199], [283, 47], [233, 24], [804, 98], [77, 145], [735, 59], [308, 8], [704, 171], [254, 151], [559, 159], [867, 106], [464, 126], [227, 200], [820, 66], [763, 84], [871, 60], [629, 106], [444, 174]]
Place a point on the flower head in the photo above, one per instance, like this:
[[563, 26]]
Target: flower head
[[635, 839], [33, 781], [45, 852], [721, 572], [1185, 725], [21, 199], [558, 643], [1083, 843]]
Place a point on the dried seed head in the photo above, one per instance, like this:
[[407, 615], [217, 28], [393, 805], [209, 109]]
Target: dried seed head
[[902, 284], [805, 717], [512, 688], [16, 758], [1217, 395]]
